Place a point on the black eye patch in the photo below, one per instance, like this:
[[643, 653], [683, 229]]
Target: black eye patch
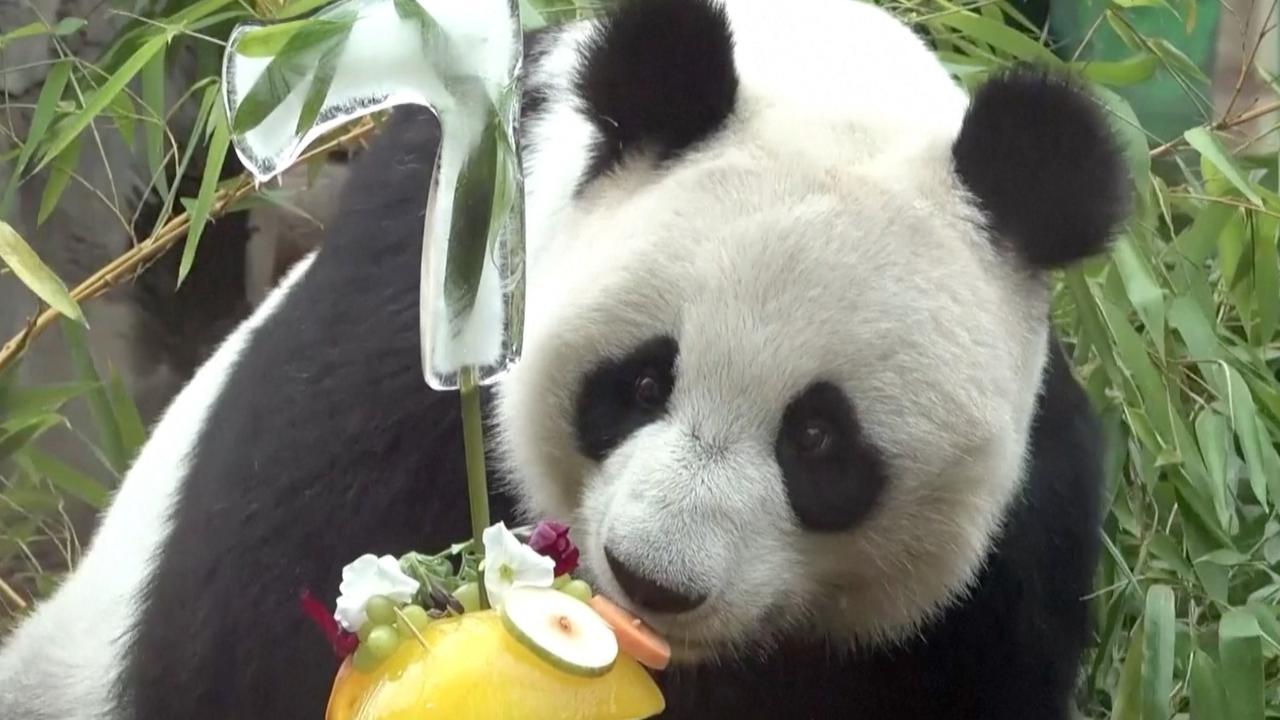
[[832, 472], [620, 396]]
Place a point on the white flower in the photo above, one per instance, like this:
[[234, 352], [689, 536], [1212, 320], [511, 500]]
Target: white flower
[[370, 575], [509, 563]]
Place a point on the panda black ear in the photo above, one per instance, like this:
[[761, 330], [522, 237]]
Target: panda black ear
[[1041, 159], [658, 75]]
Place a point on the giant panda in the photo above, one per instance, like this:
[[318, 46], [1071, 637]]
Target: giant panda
[[787, 373]]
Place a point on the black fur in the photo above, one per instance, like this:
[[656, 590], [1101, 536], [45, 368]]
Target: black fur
[[836, 486], [533, 96], [327, 444], [1043, 163], [659, 77], [608, 411]]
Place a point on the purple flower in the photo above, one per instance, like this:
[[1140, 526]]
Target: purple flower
[[552, 539]]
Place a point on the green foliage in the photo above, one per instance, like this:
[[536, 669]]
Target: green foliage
[[18, 256], [1176, 335]]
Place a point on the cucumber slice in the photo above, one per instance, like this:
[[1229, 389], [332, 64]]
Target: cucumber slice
[[561, 630]]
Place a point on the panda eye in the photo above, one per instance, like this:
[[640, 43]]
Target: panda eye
[[833, 473], [650, 390], [620, 395], [815, 438]]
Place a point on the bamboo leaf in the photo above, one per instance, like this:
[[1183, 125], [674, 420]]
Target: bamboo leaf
[[133, 433], [60, 173], [1245, 419], [46, 105], [153, 97], [1208, 146], [321, 81], [266, 94], [15, 437], [1215, 445], [1176, 60], [208, 187], [469, 235], [1266, 278], [1240, 650], [27, 266], [100, 98], [1128, 695], [530, 18], [291, 63], [188, 149], [1207, 702], [68, 479], [1130, 71], [197, 11], [25, 403], [29, 30], [109, 442], [999, 36], [293, 37], [1124, 122], [124, 115], [408, 10], [1158, 647], [68, 25], [1140, 285], [301, 7], [1268, 624]]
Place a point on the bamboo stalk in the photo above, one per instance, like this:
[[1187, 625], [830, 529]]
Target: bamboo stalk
[[473, 441], [13, 595]]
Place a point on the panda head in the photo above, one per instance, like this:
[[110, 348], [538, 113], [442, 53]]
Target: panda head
[[782, 350]]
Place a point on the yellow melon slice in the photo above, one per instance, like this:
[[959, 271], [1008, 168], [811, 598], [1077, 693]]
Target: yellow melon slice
[[472, 668]]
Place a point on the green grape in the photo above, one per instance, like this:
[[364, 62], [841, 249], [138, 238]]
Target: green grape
[[577, 589], [382, 642], [381, 610], [367, 629], [469, 595], [364, 660], [561, 581], [417, 618]]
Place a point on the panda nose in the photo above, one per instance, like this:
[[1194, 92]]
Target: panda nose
[[649, 594]]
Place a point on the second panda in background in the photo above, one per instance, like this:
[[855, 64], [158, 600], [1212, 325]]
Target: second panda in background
[[788, 374]]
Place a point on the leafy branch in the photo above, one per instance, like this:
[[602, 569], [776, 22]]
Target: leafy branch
[[130, 263]]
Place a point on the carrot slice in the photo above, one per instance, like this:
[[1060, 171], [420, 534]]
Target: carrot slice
[[634, 637]]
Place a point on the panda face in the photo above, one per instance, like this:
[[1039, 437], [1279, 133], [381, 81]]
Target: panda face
[[766, 390], [783, 343]]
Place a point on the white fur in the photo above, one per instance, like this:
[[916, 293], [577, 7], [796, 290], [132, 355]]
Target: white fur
[[62, 662], [821, 235]]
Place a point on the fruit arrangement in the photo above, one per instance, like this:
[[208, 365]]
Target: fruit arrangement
[[498, 631]]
